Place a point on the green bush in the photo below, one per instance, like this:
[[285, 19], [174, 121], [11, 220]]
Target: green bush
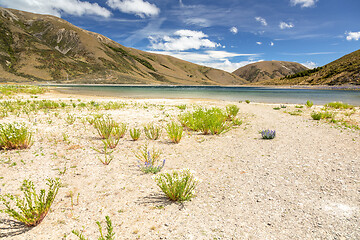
[[109, 228], [205, 120], [247, 101], [177, 185], [321, 115], [231, 111], [104, 126], [175, 132], [339, 105], [309, 103], [135, 133], [33, 208], [15, 136], [149, 160], [152, 132]]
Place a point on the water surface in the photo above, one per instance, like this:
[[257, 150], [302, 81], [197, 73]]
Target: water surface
[[254, 94]]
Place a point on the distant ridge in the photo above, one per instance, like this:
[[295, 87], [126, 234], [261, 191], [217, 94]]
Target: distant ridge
[[267, 70], [343, 71], [43, 48]]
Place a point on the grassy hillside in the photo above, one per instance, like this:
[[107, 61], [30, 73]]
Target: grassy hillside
[[42, 48], [267, 70], [345, 70]]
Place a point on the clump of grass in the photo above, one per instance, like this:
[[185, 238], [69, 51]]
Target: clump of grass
[[104, 126], [339, 105], [205, 120], [118, 131], [107, 154], [15, 136], [268, 134], [70, 119], [15, 89], [232, 110], [149, 160], [175, 132], [299, 106], [91, 119], [309, 103], [181, 107], [283, 106], [152, 132], [247, 101], [276, 108], [33, 208], [321, 115], [135, 133], [110, 235], [177, 185]]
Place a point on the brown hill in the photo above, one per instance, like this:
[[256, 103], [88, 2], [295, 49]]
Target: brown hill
[[345, 70], [38, 48], [266, 70]]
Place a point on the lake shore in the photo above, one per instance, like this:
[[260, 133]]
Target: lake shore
[[304, 184]]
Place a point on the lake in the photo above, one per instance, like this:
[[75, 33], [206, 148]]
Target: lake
[[253, 94]]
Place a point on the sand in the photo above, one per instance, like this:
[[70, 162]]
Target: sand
[[304, 184]]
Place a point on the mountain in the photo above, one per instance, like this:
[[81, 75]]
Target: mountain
[[266, 70], [43, 48], [345, 70]]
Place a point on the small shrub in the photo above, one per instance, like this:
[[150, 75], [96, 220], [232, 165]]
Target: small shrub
[[177, 185], [33, 208], [117, 132], [152, 132], [149, 160], [135, 133], [268, 134], [247, 101], [309, 103], [231, 111], [104, 126], [237, 122], [91, 120], [107, 154], [109, 228], [276, 108], [181, 107], [70, 119], [321, 115], [339, 105], [316, 115], [175, 132], [299, 106], [283, 106], [15, 136]]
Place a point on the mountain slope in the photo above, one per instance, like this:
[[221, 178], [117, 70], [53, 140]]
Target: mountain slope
[[266, 70], [42, 48]]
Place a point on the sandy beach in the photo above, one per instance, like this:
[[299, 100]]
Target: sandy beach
[[304, 184]]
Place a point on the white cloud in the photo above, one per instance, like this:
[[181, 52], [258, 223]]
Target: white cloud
[[212, 58], [138, 7], [271, 44], [234, 30], [57, 8], [310, 64], [258, 43], [352, 36], [303, 3], [284, 25], [261, 20], [197, 21], [182, 40]]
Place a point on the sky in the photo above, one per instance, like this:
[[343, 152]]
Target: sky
[[224, 34]]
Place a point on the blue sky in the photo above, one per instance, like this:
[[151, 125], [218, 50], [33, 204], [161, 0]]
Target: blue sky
[[224, 34]]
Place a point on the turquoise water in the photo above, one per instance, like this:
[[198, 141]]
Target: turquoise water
[[254, 94]]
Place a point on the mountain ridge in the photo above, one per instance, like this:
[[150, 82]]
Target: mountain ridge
[[44, 48], [266, 70]]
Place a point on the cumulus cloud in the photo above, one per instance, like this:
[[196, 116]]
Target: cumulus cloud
[[56, 8], [138, 7], [212, 58], [303, 3], [261, 20], [258, 43], [310, 64], [352, 36], [182, 40], [234, 30], [284, 25]]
